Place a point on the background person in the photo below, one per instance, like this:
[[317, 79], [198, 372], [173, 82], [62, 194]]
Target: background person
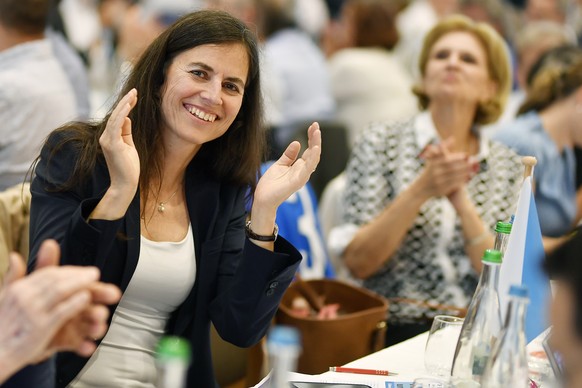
[[296, 84], [529, 44], [414, 22], [30, 78], [368, 82], [548, 128], [53, 309], [423, 195]]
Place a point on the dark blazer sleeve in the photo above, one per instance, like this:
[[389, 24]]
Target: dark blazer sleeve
[[251, 282], [62, 215]]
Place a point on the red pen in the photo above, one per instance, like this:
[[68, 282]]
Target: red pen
[[361, 371]]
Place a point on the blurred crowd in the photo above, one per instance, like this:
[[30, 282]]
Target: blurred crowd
[[346, 62]]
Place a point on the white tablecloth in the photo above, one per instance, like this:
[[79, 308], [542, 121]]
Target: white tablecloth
[[406, 359]]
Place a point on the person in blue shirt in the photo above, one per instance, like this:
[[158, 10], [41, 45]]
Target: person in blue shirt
[[548, 127], [299, 223]]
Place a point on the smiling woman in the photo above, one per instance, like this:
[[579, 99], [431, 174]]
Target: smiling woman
[[202, 99], [154, 195]]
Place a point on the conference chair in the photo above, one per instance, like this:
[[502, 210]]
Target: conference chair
[[335, 152], [236, 367], [14, 223]]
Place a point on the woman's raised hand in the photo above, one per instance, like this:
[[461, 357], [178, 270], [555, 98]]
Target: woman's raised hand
[[289, 173], [445, 172], [122, 161], [118, 148]]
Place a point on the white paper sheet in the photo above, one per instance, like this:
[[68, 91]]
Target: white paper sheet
[[332, 379]]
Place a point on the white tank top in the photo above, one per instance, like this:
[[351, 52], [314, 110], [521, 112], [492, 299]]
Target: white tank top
[[162, 280]]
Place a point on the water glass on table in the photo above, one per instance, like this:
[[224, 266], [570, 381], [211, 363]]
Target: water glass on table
[[440, 346]]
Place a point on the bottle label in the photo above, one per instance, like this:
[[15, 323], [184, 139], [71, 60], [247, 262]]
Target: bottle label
[[480, 358], [479, 364]]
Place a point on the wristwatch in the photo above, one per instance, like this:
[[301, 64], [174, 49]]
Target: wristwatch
[[258, 237]]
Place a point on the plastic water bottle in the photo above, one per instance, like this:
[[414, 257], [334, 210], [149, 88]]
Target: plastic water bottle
[[284, 345], [172, 361], [507, 366], [502, 232], [481, 327]]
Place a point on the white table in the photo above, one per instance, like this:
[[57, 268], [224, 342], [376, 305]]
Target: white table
[[405, 358]]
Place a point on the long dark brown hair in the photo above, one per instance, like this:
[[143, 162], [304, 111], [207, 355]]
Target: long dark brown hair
[[235, 157]]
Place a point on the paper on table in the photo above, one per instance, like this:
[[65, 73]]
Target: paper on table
[[354, 380], [329, 379], [264, 383], [405, 358]]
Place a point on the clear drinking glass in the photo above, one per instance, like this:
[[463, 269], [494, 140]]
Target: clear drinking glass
[[441, 344]]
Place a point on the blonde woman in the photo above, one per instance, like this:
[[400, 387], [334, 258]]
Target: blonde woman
[[423, 195]]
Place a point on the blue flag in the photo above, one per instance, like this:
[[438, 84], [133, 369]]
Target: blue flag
[[522, 263]]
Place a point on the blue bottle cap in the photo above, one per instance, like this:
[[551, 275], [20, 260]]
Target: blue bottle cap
[[284, 335], [519, 291]]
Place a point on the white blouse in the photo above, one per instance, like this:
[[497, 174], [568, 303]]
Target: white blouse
[[431, 263], [162, 280]]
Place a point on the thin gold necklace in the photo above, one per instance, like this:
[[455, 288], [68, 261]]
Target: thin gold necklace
[[162, 204]]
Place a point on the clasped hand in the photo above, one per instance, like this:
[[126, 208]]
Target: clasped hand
[[446, 173]]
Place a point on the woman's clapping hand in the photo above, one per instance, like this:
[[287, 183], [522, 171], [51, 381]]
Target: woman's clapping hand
[[289, 173]]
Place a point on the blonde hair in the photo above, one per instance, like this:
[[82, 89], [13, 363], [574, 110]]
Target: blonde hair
[[544, 30], [497, 63], [558, 74]]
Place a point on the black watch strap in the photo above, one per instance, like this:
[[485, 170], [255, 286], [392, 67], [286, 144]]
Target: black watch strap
[[258, 237]]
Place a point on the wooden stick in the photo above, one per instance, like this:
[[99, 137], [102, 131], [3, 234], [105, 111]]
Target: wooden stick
[[529, 163], [310, 295]]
